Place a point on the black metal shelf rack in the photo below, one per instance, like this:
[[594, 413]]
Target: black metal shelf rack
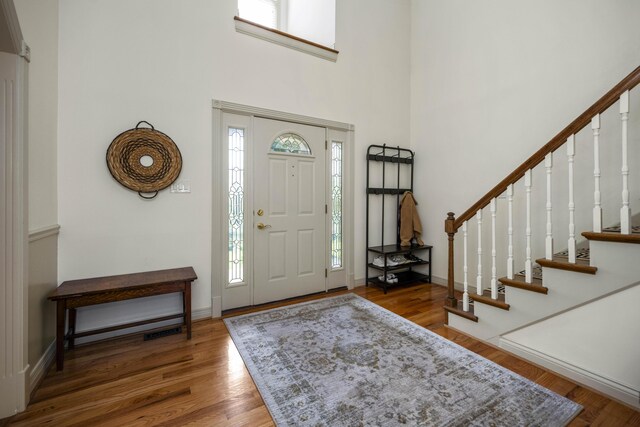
[[401, 158]]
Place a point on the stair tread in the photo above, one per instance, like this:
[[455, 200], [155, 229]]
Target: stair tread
[[581, 265], [460, 312], [520, 283], [485, 298], [614, 236]]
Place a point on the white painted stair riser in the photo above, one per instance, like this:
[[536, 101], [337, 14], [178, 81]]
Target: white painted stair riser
[[616, 259], [618, 267]]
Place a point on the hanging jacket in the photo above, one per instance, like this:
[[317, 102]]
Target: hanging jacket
[[410, 225]]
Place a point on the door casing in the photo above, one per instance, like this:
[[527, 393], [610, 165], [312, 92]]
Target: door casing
[[226, 114]]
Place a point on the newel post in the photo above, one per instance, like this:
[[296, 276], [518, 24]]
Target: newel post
[[449, 228]]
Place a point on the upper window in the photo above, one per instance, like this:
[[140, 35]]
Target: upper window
[[310, 21], [290, 143], [263, 12]]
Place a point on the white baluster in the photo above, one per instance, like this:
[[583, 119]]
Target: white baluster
[[465, 295], [548, 243], [479, 278], [528, 267], [494, 281], [571, 151], [597, 208], [510, 232], [625, 211]]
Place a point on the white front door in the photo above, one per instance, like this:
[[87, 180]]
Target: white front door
[[288, 210]]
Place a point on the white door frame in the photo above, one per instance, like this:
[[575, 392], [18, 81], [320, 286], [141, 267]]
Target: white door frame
[[219, 243], [14, 365]]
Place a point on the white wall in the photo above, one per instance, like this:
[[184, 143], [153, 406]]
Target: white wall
[[43, 269], [313, 20], [122, 61], [491, 82], [39, 21]]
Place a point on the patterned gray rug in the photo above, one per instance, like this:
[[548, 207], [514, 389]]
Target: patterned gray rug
[[345, 361]]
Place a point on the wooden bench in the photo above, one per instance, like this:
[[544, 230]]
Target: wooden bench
[[80, 293]]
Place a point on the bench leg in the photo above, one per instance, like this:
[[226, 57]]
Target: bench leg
[[187, 307], [60, 319], [72, 327]]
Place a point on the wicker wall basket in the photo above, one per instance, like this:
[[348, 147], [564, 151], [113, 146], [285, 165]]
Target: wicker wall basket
[[125, 155]]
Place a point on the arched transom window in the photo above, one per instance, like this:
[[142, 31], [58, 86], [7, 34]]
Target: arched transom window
[[290, 143]]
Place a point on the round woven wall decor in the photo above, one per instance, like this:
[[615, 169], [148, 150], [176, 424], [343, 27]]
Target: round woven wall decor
[[144, 160]]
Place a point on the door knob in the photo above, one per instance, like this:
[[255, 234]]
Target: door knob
[[262, 226]]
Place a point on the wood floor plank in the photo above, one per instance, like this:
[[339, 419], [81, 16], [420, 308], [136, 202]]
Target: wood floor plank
[[172, 381], [555, 383]]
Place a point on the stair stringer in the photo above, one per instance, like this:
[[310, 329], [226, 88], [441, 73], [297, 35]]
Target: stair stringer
[[579, 345], [618, 266], [493, 321]]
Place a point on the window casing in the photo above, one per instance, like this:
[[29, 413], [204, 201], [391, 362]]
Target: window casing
[[303, 25]]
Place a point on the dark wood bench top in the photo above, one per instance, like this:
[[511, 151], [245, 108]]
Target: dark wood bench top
[[96, 285]]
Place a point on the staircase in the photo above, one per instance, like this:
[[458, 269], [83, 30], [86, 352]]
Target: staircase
[[607, 261], [520, 303]]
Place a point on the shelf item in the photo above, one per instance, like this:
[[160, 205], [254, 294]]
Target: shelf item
[[404, 278], [393, 264], [397, 249]]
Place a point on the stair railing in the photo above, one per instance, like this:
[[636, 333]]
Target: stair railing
[[565, 137]]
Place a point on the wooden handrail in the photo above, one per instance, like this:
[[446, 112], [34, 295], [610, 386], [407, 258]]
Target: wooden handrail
[[556, 142], [452, 224]]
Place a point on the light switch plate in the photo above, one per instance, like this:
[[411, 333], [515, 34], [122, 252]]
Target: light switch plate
[[183, 186]]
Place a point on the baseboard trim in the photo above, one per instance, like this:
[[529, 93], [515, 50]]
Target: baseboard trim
[[351, 282], [36, 375], [439, 281], [215, 310], [607, 386], [44, 232], [201, 313], [13, 392]]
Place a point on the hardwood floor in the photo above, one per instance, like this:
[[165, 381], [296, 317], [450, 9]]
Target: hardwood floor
[[203, 382]]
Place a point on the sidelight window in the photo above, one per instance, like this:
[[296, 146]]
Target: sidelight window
[[236, 205], [336, 204]]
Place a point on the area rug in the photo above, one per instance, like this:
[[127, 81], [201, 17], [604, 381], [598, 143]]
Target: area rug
[[345, 361]]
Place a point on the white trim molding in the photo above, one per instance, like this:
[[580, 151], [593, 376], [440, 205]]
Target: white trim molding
[[44, 232], [13, 232], [243, 115], [232, 107], [284, 39], [42, 366], [197, 314], [608, 386], [201, 313], [8, 12]]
